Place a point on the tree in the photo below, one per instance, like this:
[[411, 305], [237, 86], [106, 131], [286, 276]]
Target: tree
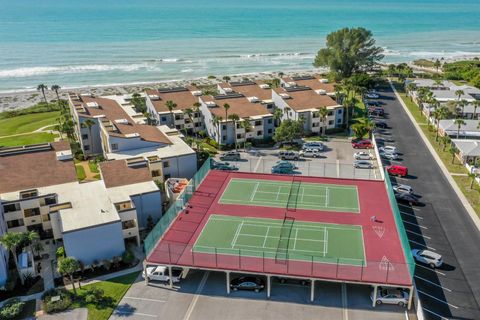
[[439, 114], [462, 104], [277, 116], [288, 131], [349, 51], [476, 104], [472, 175], [139, 103], [459, 122], [189, 113], [323, 113], [42, 87], [89, 123], [437, 64], [362, 128], [11, 241], [287, 112], [67, 267], [226, 79], [226, 106], [170, 106], [235, 118], [459, 94], [247, 127], [275, 83], [217, 120], [281, 74], [453, 152], [55, 88]]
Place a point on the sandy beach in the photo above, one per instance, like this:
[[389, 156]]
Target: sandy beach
[[25, 99]]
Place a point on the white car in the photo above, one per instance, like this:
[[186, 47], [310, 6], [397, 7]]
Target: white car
[[362, 155], [389, 156], [434, 260], [363, 164], [402, 188], [372, 95], [313, 145], [160, 273], [390, 296], [388, 149], [310, 153]]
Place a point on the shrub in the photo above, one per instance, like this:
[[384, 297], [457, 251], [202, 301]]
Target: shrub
[[11, 309], [128, 257], [50, 306], [94, 295], [60, 253], [106, 264]]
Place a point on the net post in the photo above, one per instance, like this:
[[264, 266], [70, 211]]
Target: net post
[[311, 269], [216, 261], [336, 272], [169, 254], [263, 261]]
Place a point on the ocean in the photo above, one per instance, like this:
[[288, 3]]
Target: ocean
[[83, 43]]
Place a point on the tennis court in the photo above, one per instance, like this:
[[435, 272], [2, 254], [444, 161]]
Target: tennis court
[[282, 240], [291, 195]]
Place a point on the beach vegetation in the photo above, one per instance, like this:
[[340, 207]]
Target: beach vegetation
[[467, 70], [349, 51], [289, 131]]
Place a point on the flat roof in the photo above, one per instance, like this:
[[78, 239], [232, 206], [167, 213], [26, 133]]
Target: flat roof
[[239, 106], [250, 89], [35, 169], [306, 99], [314, 84], [385, 261], [184, 99], [117, 173]]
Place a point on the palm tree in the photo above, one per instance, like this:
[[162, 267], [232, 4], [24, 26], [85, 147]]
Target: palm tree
[[275, 83], [287, 112], [226, 106], [189, 113], [217, 120], [226, 79], [323, 113], [459, 94], [277, 116], [476, 104], [55, 88], [89, 123], [453, 152], [459, 122], [281, 74], [170, 106], [42, 87], [245, 124], [338, 93], [410, 87], [445, 140], [235, 118], [439, 114], [472, 175], [437, 64], [11, 241], [67, 267], [462, 104]]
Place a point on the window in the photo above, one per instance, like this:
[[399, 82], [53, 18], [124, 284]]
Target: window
[[86, 147], [11, 207], [224, 138], [50, 200], [128, 224], [269, 121], [45, 217], [224, 127], [315, 115], [315, 124], [259, 132], [84, 136], [270, 131], [15, 223], [166, 164], [156, 173], [163, 119], [330, 113], [258, 123], [114, 146], [196, 115], [330, 122], [167, 176], [339, 120], [197, 124], [239, 136], [31, 212], [178, 127], [340, 111], [178, 117]]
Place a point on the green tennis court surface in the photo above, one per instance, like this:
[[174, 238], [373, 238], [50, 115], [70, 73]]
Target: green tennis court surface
[[282, 240], [291, 195]]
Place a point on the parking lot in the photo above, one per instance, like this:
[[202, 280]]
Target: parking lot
[[202, 295], [336, 161]]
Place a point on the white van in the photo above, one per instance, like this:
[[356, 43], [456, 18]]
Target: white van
[[160, 273], [315, 145]]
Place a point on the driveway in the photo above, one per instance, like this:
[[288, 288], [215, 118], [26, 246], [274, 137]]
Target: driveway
[[441, 225]]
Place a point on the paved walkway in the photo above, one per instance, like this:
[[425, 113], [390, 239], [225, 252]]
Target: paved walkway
[[90, 176]]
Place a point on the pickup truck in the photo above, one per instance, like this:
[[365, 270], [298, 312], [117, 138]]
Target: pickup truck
[[160, 273]]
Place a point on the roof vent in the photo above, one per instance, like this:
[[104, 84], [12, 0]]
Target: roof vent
[[323, 80], [210, 104], [264, 86], [253, 99], [291, 84], [285, 95], [122, 121], [321, 92], [92, 104], [132, 135], [197, 93], [64, 155], [154, 97], [228, 90]]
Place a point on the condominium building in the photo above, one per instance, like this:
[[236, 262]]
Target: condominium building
[[257, 91], [178, 118], [3, 251], [302, 102], [92, 220], [317, 83], [221, 128], [105, 127]]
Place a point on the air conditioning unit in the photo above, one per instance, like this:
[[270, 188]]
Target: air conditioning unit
[[285, 96], [228, 90], [122, 121], [321, 92], [64, 155], [253, 99], [154, 97], [210, 104], [323, 80], [264, 86], [92, 104], [291, 84], [197, 93]]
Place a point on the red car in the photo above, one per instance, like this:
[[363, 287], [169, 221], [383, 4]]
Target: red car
[[400, 171], [362, 144]]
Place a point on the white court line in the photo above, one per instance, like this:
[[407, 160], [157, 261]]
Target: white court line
[[311, 206], [433, 283], [433, 270], [317, 253], [266, 237], [411, 215], [275, 237], [254, 191], [435, 314], [418, 234], [421, 244], [295, 241], [325, 238], [286, 184], [439, 300], [414, 224], [303, 191], [235, 237], [326, 197], [144, 299], [278, 193]]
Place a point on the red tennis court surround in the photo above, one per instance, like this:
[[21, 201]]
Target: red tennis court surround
[[385, 259]]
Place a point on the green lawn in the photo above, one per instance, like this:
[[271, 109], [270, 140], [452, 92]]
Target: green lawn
[[80, 172], [27, 123], [114, 290], [463, 182], [27, 139], [93, 166]]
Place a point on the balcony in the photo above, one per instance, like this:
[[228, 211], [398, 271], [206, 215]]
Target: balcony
[[129, 214], [13, 215], [131, 232]]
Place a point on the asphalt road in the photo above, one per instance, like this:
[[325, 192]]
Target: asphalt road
[[441, 225]]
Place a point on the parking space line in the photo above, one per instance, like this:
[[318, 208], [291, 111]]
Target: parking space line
[[414, 224], [129, 313], [144, 299], [439, 300], [258, 164], [418, 234], [338, 169], [433, 270], [344, 302], [421, 244], [189, 312], [402, 205], [411, 215], [433, 283], [435, 314]]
